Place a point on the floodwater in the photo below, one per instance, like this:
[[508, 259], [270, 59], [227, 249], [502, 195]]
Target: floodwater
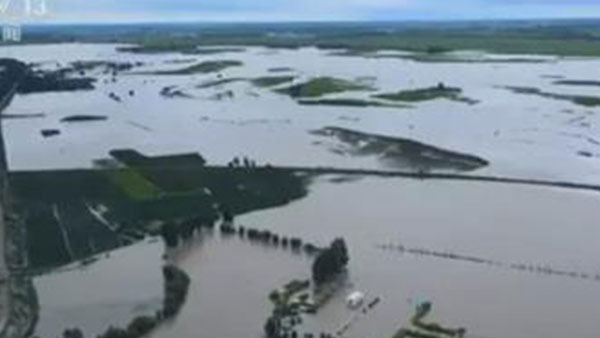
[[513, 224], [521, 136], [231, 281], [525, 136], [112, 291]]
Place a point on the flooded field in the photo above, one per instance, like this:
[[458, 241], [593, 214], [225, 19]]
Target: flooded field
[[520, 135], [504, 261], [534, 226]]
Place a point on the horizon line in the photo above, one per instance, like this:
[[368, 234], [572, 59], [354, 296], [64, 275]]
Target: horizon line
[[300, 21]]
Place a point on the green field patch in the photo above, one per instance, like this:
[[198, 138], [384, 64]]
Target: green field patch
[[134, 184]]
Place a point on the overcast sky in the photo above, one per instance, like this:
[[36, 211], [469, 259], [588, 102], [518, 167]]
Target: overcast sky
[[311, 10]]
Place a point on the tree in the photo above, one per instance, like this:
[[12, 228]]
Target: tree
[[330, 261], [141, 326], [272, 327], [73, 333], [114, 332], [170, 234]]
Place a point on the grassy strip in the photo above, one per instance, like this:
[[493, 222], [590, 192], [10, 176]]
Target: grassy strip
[[176, 46], [271, 81], [219, 82], [581, 100], [351, 103], [84, 118], [321, 86], [263, 82], [201, 68], [587, 83], [427, 94], [435, 57]]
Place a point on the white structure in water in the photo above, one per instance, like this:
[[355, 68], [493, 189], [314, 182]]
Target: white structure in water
[[355, 299]]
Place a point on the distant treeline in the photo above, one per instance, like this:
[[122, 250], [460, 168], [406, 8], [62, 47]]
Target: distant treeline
[[557, 37]]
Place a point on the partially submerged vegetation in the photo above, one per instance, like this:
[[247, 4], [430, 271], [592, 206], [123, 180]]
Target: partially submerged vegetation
[[50, 132], [272, 81], [288, 304], [427, 94], [296, 298], [219, 82], [263, 81], [440, 55], [84, 118], [351, 103], [398, 152], [584, 83], [321, 86], [202, 68], [41, 82], [581, 100], [280, 69], [174, 47], [106, 67], [172, 92], [422, 329], [23, 79]]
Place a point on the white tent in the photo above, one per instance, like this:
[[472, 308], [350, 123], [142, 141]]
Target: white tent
[[355, 299]]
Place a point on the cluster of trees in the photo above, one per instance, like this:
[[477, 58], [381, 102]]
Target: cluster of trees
[[174, 233], [241, 163], [330, 261], [73, 333], [177, 283], [139, 327], [38, 82], [269, 237], [272, 331]]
